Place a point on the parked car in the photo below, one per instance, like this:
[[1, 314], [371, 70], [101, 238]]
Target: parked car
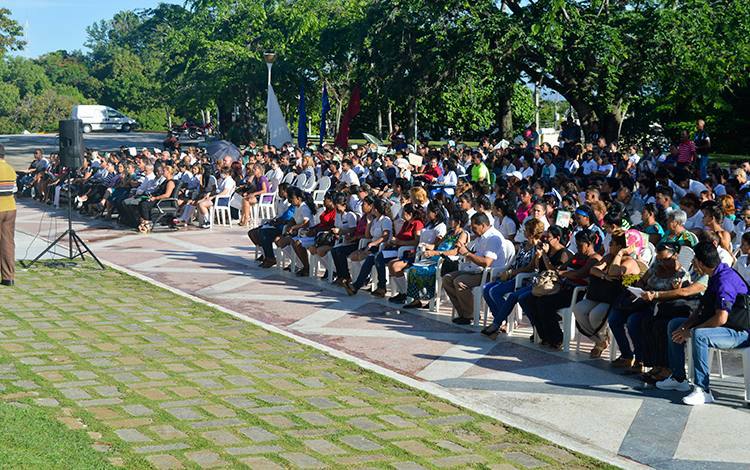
[[96, 117]]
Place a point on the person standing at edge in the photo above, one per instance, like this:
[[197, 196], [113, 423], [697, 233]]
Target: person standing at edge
[[7, 221]]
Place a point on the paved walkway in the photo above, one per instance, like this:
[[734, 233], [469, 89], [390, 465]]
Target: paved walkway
[[574, 401]]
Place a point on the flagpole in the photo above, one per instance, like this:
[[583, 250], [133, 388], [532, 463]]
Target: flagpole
[[269, 57]]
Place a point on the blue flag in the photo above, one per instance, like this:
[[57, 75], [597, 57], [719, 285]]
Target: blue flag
[[302, 122], [324, 114]]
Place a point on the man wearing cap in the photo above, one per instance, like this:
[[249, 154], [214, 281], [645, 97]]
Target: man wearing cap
[[7, 221]]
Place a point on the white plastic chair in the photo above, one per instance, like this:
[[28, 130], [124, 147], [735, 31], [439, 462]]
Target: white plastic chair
[[220, 211], [324, 184], [300, 181], [318, 197], [744, 352], [288, 178], [686, 256]]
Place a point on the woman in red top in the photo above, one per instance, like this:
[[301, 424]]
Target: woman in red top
[[408, 236], [302, 243]]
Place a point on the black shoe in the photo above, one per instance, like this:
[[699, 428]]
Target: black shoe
[[398, 299], [302, 272], [7, 282], [462, 321], [414, 304]]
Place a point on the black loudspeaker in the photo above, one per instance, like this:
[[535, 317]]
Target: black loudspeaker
[[71, 143]]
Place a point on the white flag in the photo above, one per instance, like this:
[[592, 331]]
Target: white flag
[[277, 128]]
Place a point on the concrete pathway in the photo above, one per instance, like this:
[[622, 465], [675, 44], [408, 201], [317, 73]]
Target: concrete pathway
[[566, 397]]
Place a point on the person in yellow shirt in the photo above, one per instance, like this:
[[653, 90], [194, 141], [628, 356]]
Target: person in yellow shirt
[[7, 221]]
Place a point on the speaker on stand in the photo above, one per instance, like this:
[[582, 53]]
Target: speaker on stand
[[71, 158]]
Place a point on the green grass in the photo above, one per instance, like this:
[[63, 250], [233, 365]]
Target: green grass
[[32, 439], [54, 305]]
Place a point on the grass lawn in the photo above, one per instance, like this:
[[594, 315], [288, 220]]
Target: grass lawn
[[32, 439], [116, 371]]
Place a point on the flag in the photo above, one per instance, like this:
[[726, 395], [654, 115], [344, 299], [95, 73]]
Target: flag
[[278, 131], [302, 119], [324, 114], [342, 139]]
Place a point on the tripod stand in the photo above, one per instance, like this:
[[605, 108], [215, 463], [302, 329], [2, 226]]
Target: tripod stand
[[72, 237]]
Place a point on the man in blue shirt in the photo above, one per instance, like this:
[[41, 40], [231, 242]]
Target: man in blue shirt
[[706, 326]]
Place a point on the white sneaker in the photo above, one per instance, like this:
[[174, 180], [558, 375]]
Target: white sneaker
[[671, 384], [698, 397]]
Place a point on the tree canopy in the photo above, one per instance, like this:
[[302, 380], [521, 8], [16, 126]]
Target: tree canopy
[[463, 65]]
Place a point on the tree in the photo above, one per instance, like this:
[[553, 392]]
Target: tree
[[10, 32], [24, 74]]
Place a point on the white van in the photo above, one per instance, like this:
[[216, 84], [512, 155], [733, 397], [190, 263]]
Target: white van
[[102, 118]]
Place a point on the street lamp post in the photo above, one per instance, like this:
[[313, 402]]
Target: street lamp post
[[270, 58]]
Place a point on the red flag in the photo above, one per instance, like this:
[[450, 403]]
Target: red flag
[[342, 138]]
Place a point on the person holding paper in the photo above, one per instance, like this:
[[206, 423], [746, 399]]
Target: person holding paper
[[665, 274], [413, 216]]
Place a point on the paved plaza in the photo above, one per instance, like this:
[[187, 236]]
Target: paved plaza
[[150, 362]]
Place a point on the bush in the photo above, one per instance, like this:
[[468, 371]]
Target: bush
[[154, 119], [10, 126]]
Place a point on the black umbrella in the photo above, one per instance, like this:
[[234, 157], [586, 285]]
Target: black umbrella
[[221, 148]]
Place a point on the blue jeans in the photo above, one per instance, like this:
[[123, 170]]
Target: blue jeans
[[379, 262], [340, 254], [267, 236], [617, 320], [719, 338], [501, 307], [703, 166]]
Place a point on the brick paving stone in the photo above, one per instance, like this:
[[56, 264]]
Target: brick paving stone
[[365, 424], [274, 399], [48, 402], [260, 463], [238, 380], [154, 394], [161, 448], [555, 453], [324, 447], [524, 460], [300, 460], [184, 413], [360, 443], [412, 410], [397, 421], [502, 466], [107, 391], [278, 421], [206, 459], [182, 403], [457, 460], [217, 423], [407, 466], [185, 392], [450, 420], [403, 434], [137, 410], [316, 419], [167, 433], [164, 462], [262, 449], [75, 393], [258, 434], [323, 403], [241, 402], [219, 411], [132, 435], [221, 437], [450, 446], [415, 447], [99, 402], [155, 375]]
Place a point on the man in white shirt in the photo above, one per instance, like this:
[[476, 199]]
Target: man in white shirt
[[348, 175], [488, 252]]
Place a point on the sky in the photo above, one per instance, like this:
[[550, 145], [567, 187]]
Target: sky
[[51, 25]]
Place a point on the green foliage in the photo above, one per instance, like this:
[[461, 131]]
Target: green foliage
[[151, 119], [27, 76], [10, 32], [9, 98], [10, 125], [522, 106], [42, 112]]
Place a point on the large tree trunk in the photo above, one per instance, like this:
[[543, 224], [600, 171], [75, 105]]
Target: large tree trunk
[[611, 124], [505, 118]]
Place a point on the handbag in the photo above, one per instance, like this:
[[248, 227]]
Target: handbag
[[546, 283], [448, 266], [325, 239], [739, 316], [603, 290], [627, 302]]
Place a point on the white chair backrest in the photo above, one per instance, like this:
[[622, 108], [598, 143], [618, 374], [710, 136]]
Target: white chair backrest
[[649, 254], [686, 257], [309, 184], [300, 181], [324, 184], [288, 178], [318, 197]]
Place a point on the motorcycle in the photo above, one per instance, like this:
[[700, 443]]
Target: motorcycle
[[194, 131]]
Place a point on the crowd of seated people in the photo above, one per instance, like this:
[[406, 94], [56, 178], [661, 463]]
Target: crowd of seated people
[[641, 246]]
